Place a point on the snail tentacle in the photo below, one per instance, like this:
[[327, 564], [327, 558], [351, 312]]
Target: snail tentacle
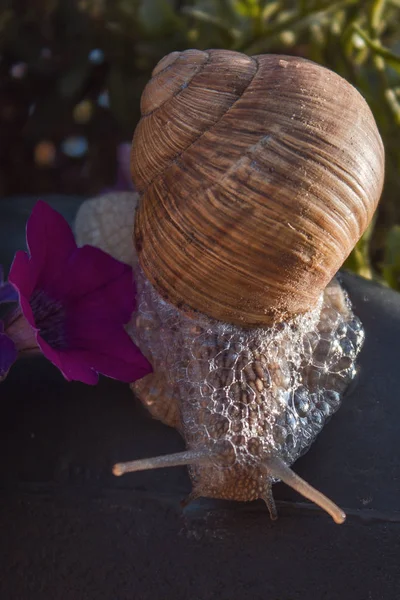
[[275, 467], [269, 500], [188, 457]]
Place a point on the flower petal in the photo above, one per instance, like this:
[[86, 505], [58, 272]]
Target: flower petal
[[27, 312], [23, 274], [71, 366], [8, 293], [8, 354], [23, 277], [113, 366], [100, 285], [95, 292], [19, 325], [109, 350], [102, 335], [50, 242]]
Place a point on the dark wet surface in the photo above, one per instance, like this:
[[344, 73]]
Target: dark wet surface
[[69, 530]]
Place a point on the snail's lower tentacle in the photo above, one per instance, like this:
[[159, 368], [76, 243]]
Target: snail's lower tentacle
[[268, 498], [275, 467]]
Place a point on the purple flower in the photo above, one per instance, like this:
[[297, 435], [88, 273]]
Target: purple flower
[[8, 353], [7, 291], [74, 303]]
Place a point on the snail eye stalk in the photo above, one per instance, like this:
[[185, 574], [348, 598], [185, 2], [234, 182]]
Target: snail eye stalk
[[189, 457]]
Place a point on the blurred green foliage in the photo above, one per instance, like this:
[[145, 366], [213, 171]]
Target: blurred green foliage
[[53, 40]]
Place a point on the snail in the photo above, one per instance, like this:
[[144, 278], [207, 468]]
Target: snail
[[257, 176]]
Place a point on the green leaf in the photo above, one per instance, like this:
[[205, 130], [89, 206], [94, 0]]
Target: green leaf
[[359, 259], [270, 11], [376, 15], [209, 19], [388, 56], [156, 16], [248, 8]]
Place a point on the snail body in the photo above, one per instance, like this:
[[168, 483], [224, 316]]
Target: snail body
[[257, 176], [245, 394]]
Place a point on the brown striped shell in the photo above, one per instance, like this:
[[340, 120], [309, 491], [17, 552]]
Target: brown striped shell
[[257, 176]]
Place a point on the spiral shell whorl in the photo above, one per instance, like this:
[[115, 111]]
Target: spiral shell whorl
[[258, 176]]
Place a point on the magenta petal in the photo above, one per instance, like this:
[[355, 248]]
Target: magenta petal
[[70, 366], [114, 367], [109, 350], [84, 333], [78, 299], [104, 337], [23, 275], [50, 241], [102, 285], [27, 312]]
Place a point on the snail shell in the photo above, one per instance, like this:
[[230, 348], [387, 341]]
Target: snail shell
[[257, 176]]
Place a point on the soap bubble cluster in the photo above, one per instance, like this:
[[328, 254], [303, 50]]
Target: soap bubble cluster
[[250, 393]]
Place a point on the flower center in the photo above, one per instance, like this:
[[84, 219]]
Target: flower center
[[49, 319]]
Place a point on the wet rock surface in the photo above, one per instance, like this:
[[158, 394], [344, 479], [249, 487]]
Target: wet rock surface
[[70, 530]]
